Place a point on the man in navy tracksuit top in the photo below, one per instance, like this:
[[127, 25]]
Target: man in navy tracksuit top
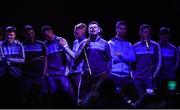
[[170, 58], [148, 61], [98, 64], [57, 61], [123, 55], [36, 60], [3, 64], [13, 52], [79, 34]]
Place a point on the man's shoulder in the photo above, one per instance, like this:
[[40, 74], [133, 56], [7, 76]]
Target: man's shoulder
[[137, 43], [18, 42], [154, 42], [40, 42], [103, 40], [173, 46]]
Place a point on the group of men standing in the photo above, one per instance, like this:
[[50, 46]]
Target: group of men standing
[[53, 66]]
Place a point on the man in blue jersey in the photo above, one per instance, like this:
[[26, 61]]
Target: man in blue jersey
[[80, 36], [57, 62], [35, 65], [13, 52], [170, 58], [148, 61], [97, 60], [3, 64], [123, 55]]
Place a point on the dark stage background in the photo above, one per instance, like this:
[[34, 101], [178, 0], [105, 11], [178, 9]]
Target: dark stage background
[[62, 15]]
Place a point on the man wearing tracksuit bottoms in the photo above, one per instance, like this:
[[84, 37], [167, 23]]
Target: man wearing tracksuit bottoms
[[148, 62], [123, 55], [170, 59], [34, 68], [80, 38], [97, 61], [13, 53], [57, 61]]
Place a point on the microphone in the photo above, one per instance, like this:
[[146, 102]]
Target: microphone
[[147, 44], [87, 43]]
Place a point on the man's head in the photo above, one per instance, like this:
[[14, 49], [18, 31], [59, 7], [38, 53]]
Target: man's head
[[79, 30], [145, 32], [47, 32], [29, 33], [121, 29], [10, 33], [94, 29], [164, 34]]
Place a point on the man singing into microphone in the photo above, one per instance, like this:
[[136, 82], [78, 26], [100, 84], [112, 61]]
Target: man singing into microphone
[[148, 61], [97, 60]]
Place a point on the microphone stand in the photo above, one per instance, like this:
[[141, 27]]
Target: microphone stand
[[85, 54], [89, 69]]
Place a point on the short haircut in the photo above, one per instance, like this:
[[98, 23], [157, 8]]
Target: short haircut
[[10, 29], [120, 23], [27, 28], [94, 22], [143, 26], [46, 28], [164, 30], [80, 26]]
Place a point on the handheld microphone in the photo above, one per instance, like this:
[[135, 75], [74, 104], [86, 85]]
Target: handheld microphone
[[147, 45]]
